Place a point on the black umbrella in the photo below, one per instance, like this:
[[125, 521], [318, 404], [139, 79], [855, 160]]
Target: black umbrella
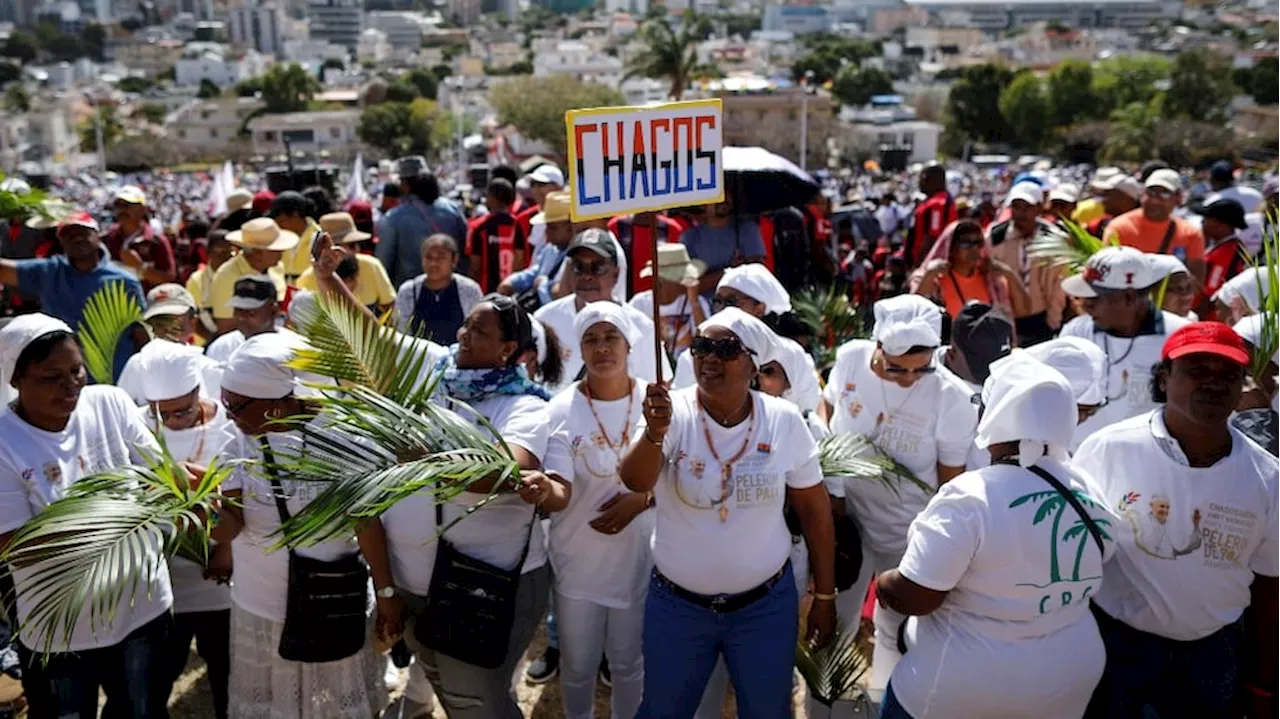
[[758, 181]]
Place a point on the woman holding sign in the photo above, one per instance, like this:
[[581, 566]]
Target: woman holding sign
[[720, 460]]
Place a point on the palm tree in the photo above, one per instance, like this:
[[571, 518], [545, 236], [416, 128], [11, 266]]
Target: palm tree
[[1080, 532], [669, 54], [1051, 501]]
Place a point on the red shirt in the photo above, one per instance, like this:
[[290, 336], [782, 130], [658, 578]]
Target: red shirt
[[637, 242], [525, 220], [495, 238], [150, 247], [1222, 263], [931, 217]]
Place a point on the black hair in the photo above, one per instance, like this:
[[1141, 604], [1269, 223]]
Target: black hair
[[39, 350], [218, 235], [196, 227], [514, 324], [391, 189], [235, 220], [551, 370], [505, 172], [1160, 371], [425, 187], [347, 268], [441, 238], [966, 227], [502, 191], [1151, 166], [321, 201]]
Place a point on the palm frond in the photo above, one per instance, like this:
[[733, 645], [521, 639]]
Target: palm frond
[[832, 673], [1269, 294], [831, 317], [97, 547], [849, 454], [108, 314], [1069, 249]]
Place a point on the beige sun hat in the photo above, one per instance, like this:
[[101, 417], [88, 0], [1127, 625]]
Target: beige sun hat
[[341, 226], [263, 234], [674, 265]]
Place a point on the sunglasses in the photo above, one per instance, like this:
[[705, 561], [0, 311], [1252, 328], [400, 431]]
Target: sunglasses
[[235, 409], [1159, 193], [179, 414], [726, 349], [594, 269], [890, 368], [968, 243]]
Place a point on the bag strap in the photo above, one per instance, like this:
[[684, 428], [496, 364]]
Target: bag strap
[[1168, 236], [277, 490], [1072, 499]]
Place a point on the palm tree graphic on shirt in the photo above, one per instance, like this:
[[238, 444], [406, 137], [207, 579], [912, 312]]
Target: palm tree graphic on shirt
[[1053, 503]]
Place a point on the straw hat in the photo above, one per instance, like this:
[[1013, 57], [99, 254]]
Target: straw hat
[[341, 226], [239, 199], [263, 234], [554, 209], [674, 265]]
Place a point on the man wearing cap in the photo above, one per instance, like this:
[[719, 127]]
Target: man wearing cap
[[554, 222], [1221, 222], [676, 286], [544, 180], [1196, 544], [1222, 179], [292, 213], [373, 288], [65, 282], [1121, 320], [200, 284], [1040, 281], [171, 315], [1062, 200], [1090, 209], [980, 335], [592, 258], [262, 200], [1120, 193], [1153, 227], [255, 308], [496, 243], [132, 241], [239, 210], [262, 243]]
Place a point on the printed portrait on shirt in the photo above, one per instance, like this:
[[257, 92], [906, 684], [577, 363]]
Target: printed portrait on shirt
[[1156, 529]]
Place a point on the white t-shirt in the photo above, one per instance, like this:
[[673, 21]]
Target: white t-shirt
[[221, 348], [1129, 364], [497, 532], [692, 546], [133, 377], [930, 423], [262, 572], [198, 445], [607, 569], [1173, 576], [677, 318], [37, 467], [1017, 611], [559, 317]]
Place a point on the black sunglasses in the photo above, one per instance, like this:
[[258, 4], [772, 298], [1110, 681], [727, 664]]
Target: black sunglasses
[[235, 409], [726, 349], [895, 369], [968, 243], [595, 269]]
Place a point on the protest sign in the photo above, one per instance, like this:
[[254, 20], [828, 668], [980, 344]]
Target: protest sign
[[624, 160]]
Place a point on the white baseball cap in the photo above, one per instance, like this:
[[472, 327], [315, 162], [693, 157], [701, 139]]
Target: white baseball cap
[[1114, 269], [547, 175], [1165, 178], [1028, 192], [1065, 192]]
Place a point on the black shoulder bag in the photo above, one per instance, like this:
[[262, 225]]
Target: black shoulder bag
[[325, 617], [470, 605]]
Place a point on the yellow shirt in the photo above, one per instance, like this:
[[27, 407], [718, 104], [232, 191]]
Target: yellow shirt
[[198, 284], [298, 260], [224, 284], [1088, 211], [373, 286]]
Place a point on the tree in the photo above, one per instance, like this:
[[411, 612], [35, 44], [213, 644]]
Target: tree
[[288, 88], [441, 72], [425, 81], [827, 53], [973, 107], [332, 63], [401, 91], [16, 98], [1131, 136], [1026, 110], [1200, 87], [1069, 93], [855, 86], [153, 112], [94, 37], [9, 72], [21, 46], [669, 55], [404, 128], [536, 105], [208, 89], [136, 85], [1125, 79], [112, 130], [1264, 85], [248, 87]]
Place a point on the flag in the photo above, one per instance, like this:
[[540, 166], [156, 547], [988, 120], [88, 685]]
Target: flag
[[216, 205], [355, 184]]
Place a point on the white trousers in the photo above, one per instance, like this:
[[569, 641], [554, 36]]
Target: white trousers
[[588, 630]]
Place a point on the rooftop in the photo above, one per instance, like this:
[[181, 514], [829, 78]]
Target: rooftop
[[302, 119]]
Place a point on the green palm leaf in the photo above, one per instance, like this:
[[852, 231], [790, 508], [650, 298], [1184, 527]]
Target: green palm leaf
[[1069, 249], [830, 317], [108, 314], [832, 673], [850, 454], [93, 549], [1269, 292]]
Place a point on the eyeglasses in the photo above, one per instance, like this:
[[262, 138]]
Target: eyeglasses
[[726, 348], [1160, 193], [594, 269], [179, 415]]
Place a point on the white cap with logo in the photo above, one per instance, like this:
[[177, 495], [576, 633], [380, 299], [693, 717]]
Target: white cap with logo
[[1114, 269]]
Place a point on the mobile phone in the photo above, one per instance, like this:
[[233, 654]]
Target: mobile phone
[[317, 245]]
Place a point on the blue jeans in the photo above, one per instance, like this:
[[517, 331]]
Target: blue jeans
[[1142, 668], [890, 708], [683, 639], [132, 674]]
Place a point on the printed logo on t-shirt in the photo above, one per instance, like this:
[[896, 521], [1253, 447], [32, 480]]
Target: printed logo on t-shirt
[[1067, 546], [1221, 533], [1152, 533], [901, 433]]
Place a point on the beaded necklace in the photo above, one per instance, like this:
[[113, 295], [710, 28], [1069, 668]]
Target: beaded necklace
[[726, 467]]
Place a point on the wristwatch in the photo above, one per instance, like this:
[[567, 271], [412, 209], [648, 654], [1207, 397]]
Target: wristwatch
[[386, 593]]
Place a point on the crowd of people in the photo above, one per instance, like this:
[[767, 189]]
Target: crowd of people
[[1080, 518]]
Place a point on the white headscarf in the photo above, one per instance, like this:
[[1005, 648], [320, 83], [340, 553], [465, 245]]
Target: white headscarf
[[171, 370], [539, 338], [16, 337], [1028, 402], [1250, 330], [754, 334], [804, 391], [304, 307], [595, 312], [756, 281], [1082, 362], [257, 368], [907, 321], [1249, 286]]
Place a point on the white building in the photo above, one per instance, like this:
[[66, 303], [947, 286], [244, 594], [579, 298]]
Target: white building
[[573, 57], [314, 52], [635, 7], [333, 131], [257, 28], [217, 64], [15, 140], [403, 29], [374, 46], [1004, 14], [797, 19], [337, 21], [204, 126]]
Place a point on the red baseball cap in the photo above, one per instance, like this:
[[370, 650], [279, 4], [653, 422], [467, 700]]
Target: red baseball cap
[[1213, 338], [78, 219], [262, 200]]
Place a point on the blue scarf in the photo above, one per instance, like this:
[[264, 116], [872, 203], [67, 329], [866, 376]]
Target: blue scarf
[[475, 385]]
